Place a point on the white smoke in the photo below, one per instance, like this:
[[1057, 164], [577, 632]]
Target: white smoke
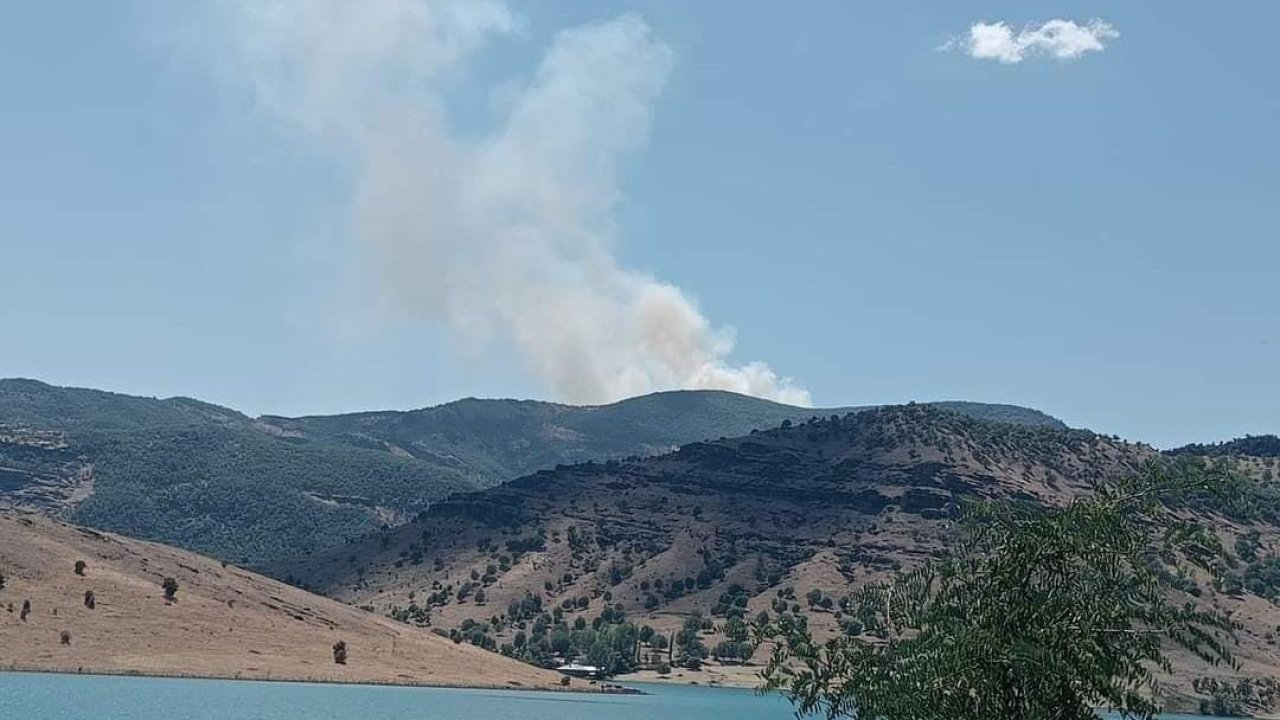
[[506, 232]]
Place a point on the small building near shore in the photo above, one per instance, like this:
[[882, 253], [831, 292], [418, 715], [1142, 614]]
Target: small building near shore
[[573, 669]]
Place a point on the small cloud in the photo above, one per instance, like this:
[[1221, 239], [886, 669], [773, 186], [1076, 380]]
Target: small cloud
[[1061, 39]]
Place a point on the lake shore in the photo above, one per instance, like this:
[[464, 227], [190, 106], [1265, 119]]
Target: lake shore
[[575, 685], [745, 677], [45, 695]]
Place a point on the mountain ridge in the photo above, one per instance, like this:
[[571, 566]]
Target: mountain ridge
[[256, 490]]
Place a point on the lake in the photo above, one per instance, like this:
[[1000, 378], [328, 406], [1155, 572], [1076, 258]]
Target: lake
[[83, 697]]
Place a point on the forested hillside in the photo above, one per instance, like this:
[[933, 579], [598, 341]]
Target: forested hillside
[[497, 440], [257, 491]]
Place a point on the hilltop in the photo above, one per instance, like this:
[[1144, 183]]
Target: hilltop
[[1258, 446], [224, 622], [788, 520], [257, 491]]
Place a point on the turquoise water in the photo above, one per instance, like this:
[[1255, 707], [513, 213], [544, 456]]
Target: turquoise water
[[83, 697], [80, 697]]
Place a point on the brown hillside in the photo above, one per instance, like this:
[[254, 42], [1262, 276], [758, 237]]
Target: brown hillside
[[225, 622], [823, 506], [863, 493]]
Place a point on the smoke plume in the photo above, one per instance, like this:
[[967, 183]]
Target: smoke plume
[[508, 232]]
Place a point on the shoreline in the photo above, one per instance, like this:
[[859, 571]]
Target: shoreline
[[515, 686], [641, 678], [740, 677]]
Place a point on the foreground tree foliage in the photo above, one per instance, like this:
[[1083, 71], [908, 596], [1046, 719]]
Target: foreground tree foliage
[[1037, 613]]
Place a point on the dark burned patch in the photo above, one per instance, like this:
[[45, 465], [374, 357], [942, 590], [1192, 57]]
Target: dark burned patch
[[920, 500], [498, 511]]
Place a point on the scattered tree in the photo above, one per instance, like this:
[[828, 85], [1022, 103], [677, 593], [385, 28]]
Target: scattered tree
[[26, 610], [1038, 613], [90, 600], [80, 566], [340, 652], [692, 649], [170, 589], [66, 637]]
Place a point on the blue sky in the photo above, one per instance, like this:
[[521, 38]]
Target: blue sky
[[875, 218]]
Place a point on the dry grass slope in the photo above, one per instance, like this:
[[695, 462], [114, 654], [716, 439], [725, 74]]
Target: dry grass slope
[[226, 622]]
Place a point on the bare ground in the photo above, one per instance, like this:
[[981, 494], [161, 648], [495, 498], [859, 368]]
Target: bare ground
[[225, 623]]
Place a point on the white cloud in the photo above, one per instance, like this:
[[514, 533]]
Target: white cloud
[[502, 232], [1060, 39]]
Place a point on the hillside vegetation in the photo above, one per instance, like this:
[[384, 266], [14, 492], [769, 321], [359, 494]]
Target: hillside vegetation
[[197, 475], [1249, 446], [498, 440], [688, 548], [258, 491], [77, 600], [715, 527]]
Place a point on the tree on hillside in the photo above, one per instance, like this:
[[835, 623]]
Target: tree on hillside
[[170, 589], [90, 600], [737, 645], [80, 566], [692, 649], [1038, 613], [340, 652]]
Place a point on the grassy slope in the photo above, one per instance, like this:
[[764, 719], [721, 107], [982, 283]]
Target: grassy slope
[[226, 622]]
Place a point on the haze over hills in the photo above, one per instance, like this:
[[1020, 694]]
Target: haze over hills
[[259, 490], [789, 519], [224, 621]]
